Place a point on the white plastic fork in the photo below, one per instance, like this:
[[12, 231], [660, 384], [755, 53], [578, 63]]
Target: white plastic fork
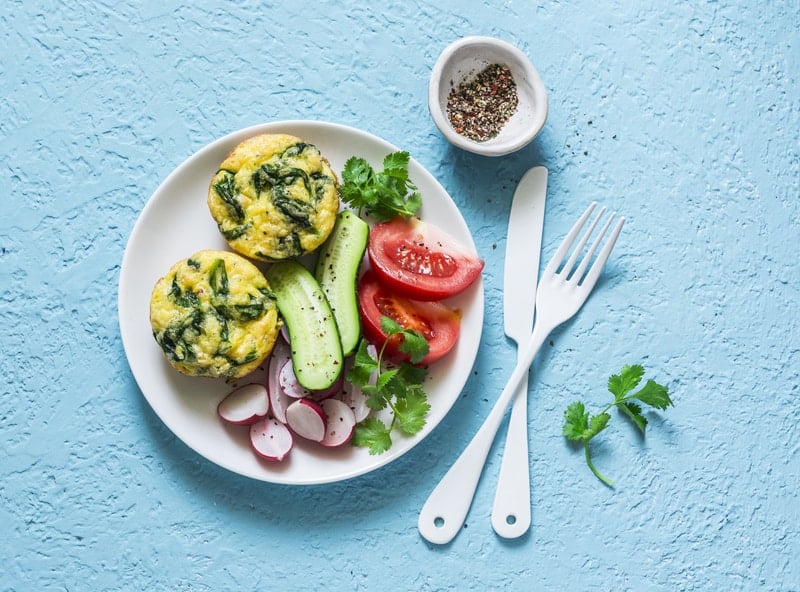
[[562, 290]]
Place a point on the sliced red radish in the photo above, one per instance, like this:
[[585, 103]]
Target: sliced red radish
[[278, 402], [306, 419], [352, 395], [288, 382], [356, 400], [332, 391], [340, 424], [277, 398], [245, 405], [292, 388], [271, 439]]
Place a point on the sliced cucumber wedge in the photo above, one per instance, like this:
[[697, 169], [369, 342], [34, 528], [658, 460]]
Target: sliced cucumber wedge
[[337, 272], [314, 337]]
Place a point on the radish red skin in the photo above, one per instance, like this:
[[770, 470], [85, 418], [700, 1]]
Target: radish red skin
[[288, 383], [245, 405], [270, 439]]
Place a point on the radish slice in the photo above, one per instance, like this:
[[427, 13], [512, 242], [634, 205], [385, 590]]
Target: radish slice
[[278, 402], [355, 400], [333, 390], [271, 439], [245, 405], [288, 382], [306, 419], [277, 398], [292, 388], [352, 395], [340, 425]]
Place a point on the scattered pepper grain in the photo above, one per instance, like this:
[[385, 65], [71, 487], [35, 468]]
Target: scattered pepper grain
[[479, 108]]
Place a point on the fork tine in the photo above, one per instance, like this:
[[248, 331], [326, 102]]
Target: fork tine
[[594, 272], [563, 248], [566, 271], [590, 253]]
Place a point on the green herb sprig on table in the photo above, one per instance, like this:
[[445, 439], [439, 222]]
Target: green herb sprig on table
[[397, 387], [579, 426], [383, 195]]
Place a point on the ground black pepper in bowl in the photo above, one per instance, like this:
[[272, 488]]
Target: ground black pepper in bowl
[[479, 108]]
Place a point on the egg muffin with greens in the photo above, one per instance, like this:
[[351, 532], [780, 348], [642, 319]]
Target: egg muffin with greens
[[214, 315], [274, 197]]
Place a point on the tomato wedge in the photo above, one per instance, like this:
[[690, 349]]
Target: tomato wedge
[[420, 260], [437, 322]]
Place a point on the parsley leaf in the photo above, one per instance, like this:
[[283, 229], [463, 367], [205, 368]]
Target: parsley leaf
[[398, 387], [383, 195], [655, 395], [576, 421], [412, 342], [411, 411], [627, 380], [580, 426], [373, 434]]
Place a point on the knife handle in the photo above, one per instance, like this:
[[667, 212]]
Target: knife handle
[[511, 513]]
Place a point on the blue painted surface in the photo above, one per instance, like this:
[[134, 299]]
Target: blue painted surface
[[684, 116]]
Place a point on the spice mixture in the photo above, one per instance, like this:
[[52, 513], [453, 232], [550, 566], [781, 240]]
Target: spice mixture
[[479, 108]]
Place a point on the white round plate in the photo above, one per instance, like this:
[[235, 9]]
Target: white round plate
[[176, 222]]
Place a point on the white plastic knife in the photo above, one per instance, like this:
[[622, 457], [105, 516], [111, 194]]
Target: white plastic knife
[[511, 514]]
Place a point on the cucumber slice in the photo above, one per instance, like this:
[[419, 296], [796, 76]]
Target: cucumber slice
[[314, 338], [337, 271]]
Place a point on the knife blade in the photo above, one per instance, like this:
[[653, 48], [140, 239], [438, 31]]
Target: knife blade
[[511, 513]]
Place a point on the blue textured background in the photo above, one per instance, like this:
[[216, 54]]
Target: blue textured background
[[684, 116]]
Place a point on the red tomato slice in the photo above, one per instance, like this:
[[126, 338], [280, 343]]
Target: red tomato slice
[[420, 260], [437, 322]]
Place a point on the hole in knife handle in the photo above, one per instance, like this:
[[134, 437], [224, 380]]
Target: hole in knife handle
[[511, 519], [438, 522]]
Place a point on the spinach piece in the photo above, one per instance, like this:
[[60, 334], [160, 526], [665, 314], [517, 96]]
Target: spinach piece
[[277, 178], [178, 339], [185, 299], [218, 278], [320, 181], [290, 245], [297, 211], [235, 232], [251, 311], [226, 190], [297, 149]]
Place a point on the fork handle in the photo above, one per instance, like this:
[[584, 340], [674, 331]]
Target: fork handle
[[445, 511]]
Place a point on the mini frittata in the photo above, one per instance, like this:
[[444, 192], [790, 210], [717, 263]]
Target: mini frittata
[[274, 197], [215, 315]]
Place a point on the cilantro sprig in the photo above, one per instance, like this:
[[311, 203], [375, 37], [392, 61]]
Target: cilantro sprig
[[383, 195], [580, 426], [398, 387]]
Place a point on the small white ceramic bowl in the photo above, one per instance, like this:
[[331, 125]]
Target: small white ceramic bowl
[[463, 60]]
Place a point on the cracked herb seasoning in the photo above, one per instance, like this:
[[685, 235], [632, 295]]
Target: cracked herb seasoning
[[479, 108]]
